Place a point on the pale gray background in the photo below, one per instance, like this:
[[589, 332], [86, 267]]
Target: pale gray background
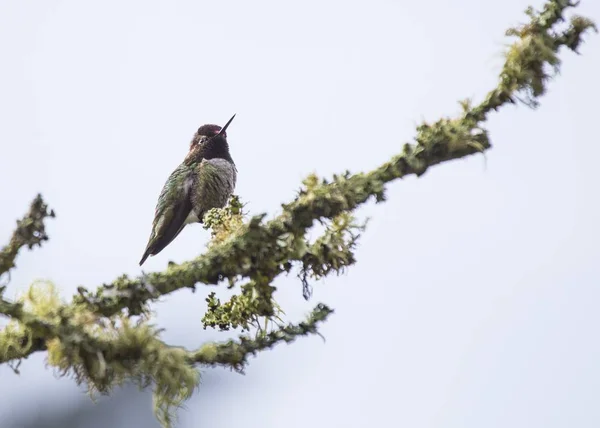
[[474, 301]]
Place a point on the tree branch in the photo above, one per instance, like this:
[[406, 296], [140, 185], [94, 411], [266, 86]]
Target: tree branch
[[234, 353], [266, 249], [260, 246], [30, 231], [104, 356]]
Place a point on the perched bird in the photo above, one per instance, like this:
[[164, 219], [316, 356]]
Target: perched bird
[[205, 179]]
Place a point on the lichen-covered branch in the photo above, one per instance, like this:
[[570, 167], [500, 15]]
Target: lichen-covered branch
[[30, 231], [266, 249], [234, 353], [105, 354], [260, 246]]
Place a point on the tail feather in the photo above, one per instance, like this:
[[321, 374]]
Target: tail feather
[[155, 246], [145, 256]]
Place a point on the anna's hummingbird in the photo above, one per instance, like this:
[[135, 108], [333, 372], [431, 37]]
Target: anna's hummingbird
[[205, 179]]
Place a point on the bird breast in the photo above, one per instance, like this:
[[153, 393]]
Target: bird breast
[[216, 180]]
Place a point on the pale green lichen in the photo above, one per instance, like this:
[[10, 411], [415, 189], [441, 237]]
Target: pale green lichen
[[333, 251], [15, 343], [224, 222], [130, 352], [42, 299], [30, 312], [104, 353]]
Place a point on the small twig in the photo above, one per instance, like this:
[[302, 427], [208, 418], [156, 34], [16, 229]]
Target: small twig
[[30, 232]]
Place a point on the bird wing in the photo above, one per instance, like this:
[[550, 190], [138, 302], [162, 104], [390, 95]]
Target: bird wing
[[173, 206]]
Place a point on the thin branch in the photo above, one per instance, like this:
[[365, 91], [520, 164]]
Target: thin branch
[[72, 337], [234, 353], [30, 231]]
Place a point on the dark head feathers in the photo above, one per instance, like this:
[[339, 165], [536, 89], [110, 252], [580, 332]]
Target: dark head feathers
[[210, 130]]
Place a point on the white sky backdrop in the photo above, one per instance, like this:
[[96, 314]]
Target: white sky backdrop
[[474, 301]]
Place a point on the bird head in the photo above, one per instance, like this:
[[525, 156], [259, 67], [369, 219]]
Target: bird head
[[209, 132]]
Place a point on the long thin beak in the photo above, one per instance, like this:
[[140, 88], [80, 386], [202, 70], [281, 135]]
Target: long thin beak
[[222, 131]]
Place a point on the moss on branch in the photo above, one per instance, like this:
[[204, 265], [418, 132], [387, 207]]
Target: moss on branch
[[30, 232], [103, 354], [258, 246], [268, 248]]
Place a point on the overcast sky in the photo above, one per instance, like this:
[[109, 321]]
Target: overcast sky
[[474, 300]]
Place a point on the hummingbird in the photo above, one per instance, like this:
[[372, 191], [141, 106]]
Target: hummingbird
[[205, 179]]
